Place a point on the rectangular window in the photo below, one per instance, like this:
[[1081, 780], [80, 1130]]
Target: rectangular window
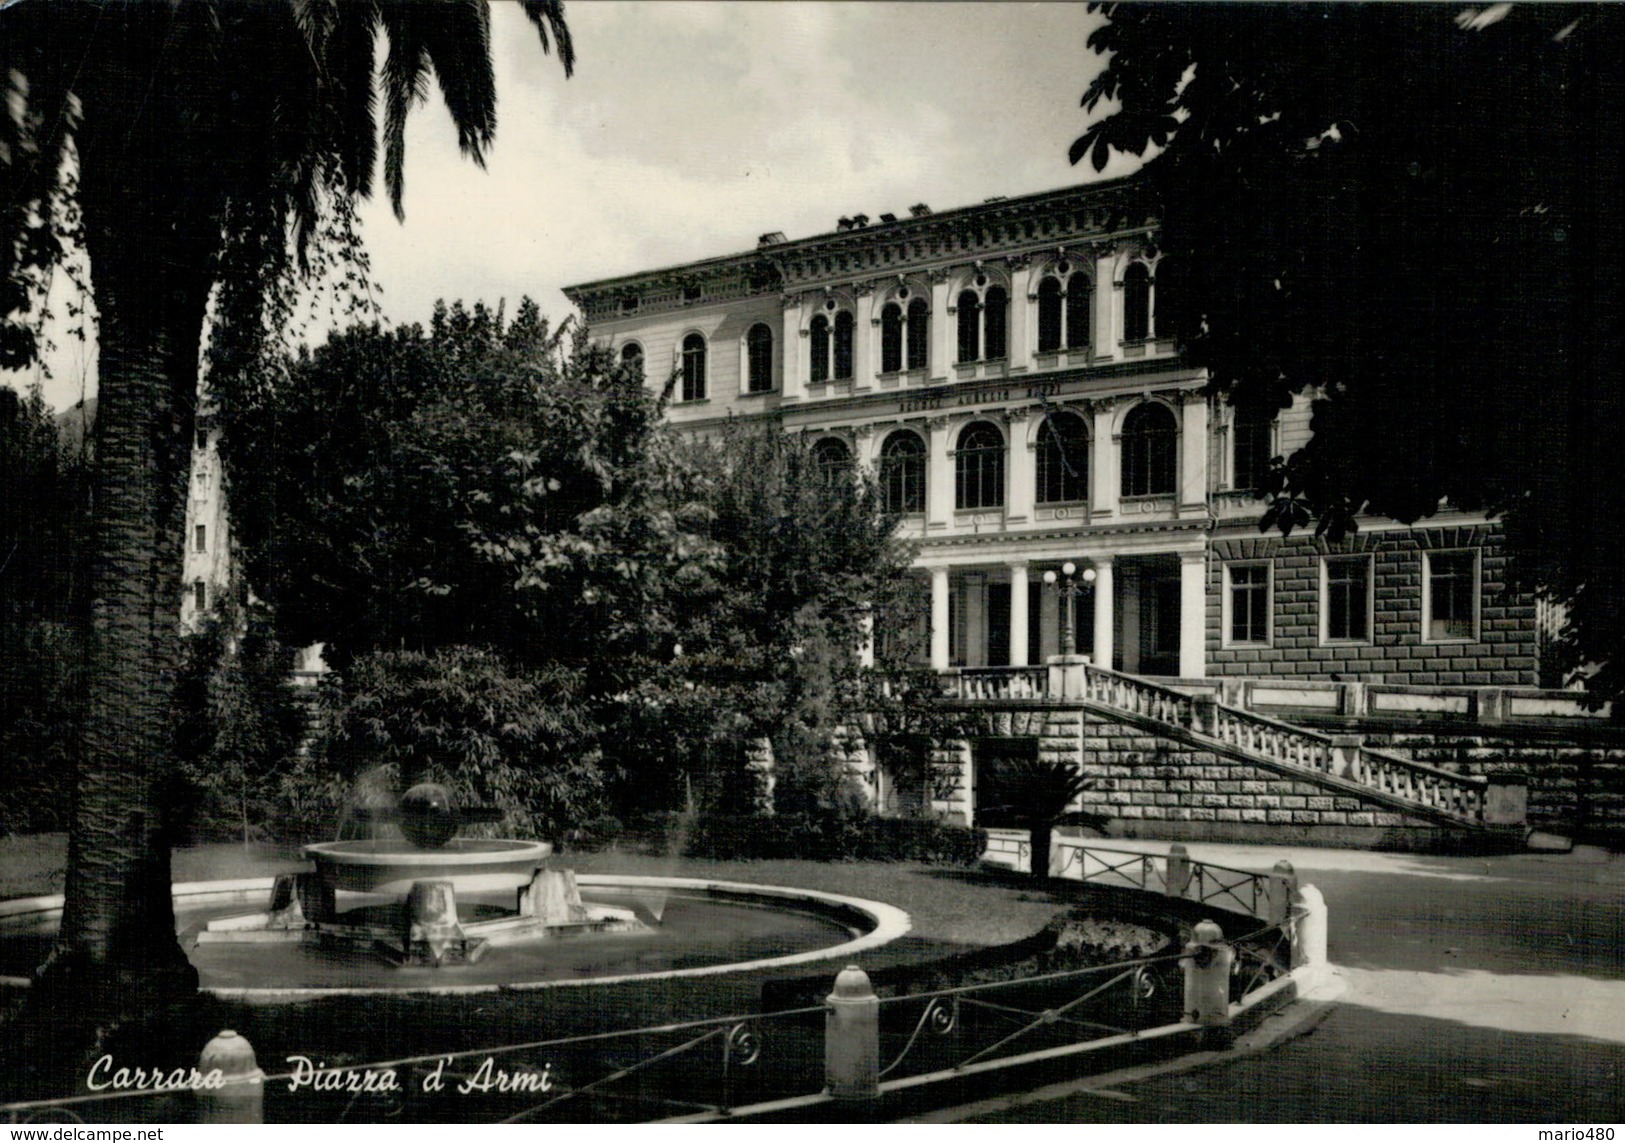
[[1451, 598], [200, 595], [1247, 598], [1345, 608], [200, 537]]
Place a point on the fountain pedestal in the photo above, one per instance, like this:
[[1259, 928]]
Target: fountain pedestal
[[423, 877]]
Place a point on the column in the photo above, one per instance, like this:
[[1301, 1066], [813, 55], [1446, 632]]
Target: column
[[1103, 611], [793, 379], [1020, 490], [1103, 479], [1021, 315], [1192, 614], [943, 329], [939, 619], [975, 619], [1018, 614], [865, 333], [1193, 456], [1049, 624], [939, 480], [1107, 293]]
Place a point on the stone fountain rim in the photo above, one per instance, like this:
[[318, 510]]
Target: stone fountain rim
[[889, 921], [495, 851]]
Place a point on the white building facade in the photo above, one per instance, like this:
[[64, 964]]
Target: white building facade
[[1001, 370]]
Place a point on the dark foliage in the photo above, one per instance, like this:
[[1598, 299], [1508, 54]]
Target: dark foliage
[[857, 836], [1414, 214]]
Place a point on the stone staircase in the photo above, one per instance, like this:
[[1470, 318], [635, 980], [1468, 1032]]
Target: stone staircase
[[1339, 765]]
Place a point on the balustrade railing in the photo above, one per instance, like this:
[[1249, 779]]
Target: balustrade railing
[[1000, 683], [1461, 795]]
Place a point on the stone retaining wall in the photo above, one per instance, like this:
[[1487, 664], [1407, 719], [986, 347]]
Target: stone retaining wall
[[1503, 653], [1151, 786]]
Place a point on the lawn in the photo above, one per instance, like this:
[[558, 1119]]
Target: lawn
[[953, 910]]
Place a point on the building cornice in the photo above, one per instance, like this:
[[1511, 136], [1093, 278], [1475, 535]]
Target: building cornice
[[1000, 229]]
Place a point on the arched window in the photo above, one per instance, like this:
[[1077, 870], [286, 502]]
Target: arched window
[[984, 317], [1137, 302], [891, 338], [632, 357], [1149, 438], [979, 467], [1252, 447], [693, 368], [818, 333], [970, 326], [1063, 458], [995, 323], [759, 359], [832, 346], [919, 332], [832, 459], [1077, 310], [1049, 315], [905, 334], [844, 324], [902, 472]]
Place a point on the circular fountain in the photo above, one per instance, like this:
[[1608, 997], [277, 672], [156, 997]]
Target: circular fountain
[[430, 911]]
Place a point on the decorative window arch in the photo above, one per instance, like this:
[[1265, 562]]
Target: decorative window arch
[[983, 307], [832, 459], [831, 333], [758, 359], [905, 330], [694, 367], [632, 357], [1063, 307], [979, 467], [1063, 458], [902, 472], [1138, 323], [1150, 440]]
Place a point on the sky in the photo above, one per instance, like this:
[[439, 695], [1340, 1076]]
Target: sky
[[689, 129]]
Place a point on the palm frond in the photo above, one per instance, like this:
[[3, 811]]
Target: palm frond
[[548, 16]]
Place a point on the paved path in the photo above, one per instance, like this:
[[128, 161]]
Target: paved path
[[1472, 990]]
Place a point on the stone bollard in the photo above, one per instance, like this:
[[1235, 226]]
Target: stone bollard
[[242, 1099], [1280, 890], [1207, 963], [852, 1037], [1309, 937], [1178, 879]]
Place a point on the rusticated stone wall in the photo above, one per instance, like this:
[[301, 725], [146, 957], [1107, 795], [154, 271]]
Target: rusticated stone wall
[[1150, 786], [1504, 653]]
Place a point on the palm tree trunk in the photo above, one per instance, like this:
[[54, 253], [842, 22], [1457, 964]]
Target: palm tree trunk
[[117, 948], [118, 925], [1038, 841]]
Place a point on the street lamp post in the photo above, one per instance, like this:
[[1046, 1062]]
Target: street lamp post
[[1070, 584]]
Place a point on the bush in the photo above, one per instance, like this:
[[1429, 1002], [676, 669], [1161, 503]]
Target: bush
[[495, 734], [833, 837]]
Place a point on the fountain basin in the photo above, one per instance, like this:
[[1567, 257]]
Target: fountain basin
[[281, 973], [473, 865]]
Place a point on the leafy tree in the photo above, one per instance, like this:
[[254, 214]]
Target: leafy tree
[[43, 514], [465, 487], [196, 151], [807, 557], [1414, 214], [520, 740], [240, 722]]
